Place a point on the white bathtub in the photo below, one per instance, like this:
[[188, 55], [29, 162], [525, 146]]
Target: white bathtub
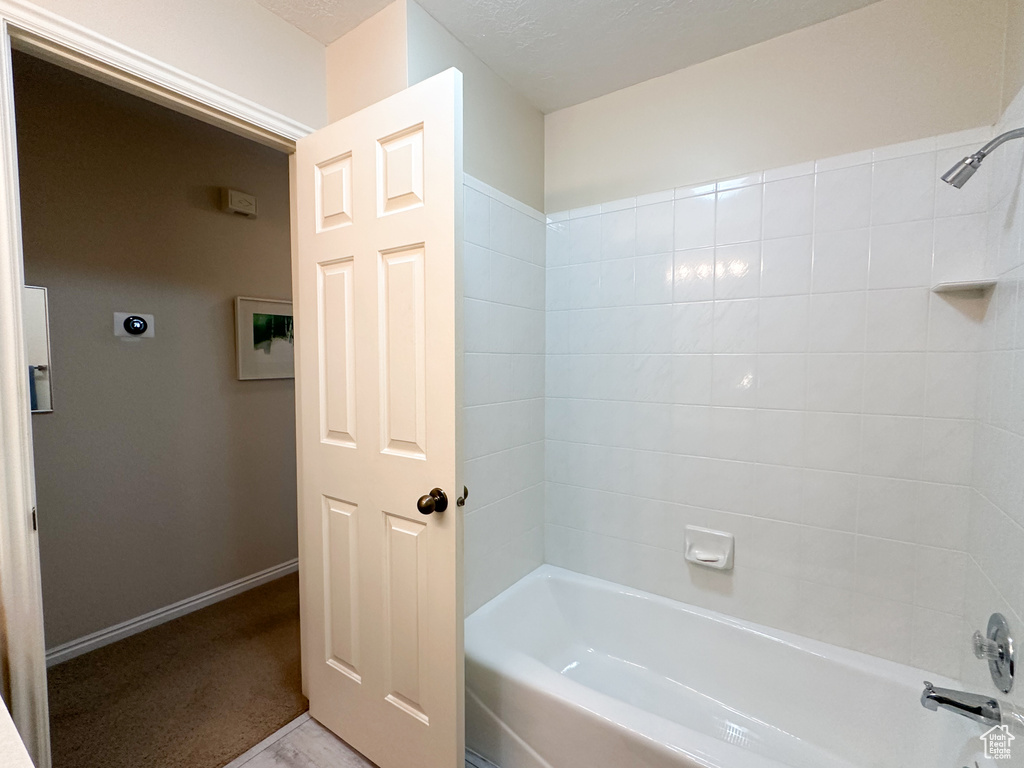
[[568, 671]]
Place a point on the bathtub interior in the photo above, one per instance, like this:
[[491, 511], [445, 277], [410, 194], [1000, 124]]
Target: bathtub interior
[[796, 701]]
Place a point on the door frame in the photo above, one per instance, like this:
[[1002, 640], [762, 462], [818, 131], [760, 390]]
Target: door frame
[[26, 27]]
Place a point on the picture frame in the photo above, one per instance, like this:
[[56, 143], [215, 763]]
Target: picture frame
[[264, 338]]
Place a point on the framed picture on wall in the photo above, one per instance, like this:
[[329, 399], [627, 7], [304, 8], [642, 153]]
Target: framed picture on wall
[[264, 338]]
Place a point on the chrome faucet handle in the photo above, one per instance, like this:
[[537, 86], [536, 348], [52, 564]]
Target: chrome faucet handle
[[985, 648]]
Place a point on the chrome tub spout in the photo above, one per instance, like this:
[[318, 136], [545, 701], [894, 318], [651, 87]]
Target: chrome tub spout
[[984, 709]]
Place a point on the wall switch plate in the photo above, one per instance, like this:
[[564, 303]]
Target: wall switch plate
[[712, 549], [121, 330]]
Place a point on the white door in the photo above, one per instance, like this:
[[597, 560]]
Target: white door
[[377, 305]]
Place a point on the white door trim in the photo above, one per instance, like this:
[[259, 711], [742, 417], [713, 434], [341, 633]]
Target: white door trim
[[26, 26], [52, 37]]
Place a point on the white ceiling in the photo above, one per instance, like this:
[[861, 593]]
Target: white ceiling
[[562, 52], [325, 20]]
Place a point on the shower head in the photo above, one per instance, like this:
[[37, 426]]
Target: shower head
[[961, 173]]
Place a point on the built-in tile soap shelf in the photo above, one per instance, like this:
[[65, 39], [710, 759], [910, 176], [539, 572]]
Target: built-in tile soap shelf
[[711, 549], [963, 286]]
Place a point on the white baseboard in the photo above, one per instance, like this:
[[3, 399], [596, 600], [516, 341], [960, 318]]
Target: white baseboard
[[154, 618]]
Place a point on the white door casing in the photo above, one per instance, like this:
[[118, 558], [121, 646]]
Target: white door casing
[[45, 34], [378, 384]]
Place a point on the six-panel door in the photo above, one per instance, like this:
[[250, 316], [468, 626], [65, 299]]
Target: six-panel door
[[378, 231]]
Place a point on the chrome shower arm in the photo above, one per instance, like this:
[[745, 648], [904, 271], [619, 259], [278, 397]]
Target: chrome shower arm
[[1002, 138]]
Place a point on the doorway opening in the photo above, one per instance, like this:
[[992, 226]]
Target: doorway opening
[[165, 484]]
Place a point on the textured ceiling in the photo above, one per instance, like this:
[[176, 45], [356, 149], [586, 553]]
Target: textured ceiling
[[325, 20], [562, 52]]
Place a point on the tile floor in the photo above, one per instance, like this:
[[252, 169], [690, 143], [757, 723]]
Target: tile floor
[[303, 743]]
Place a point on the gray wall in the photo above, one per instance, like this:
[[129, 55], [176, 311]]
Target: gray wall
[[159, 475]]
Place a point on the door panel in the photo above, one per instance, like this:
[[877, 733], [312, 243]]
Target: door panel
[[378, 269]]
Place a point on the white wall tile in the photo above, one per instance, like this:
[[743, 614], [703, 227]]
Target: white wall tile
[[789, 207], [955, 323], [891, 446], [585, 239], [653, 279], [781, 381], [651, 198], [734, 381], [894, 383], [781, 437], [960, 248], [901, 255], [789, 172], [738, 182], [882, 568], [694, 225], [951, 385], [897, 320], [903, 189], [506, 289], [837, 322], [500, 238], [618, 234], [842, 199], [948, 449], [940, 580], [889, 634], [786, 266], [887, 508], [738, 215], [737, 270], [783, 324], [841, 261], [654, 228], [734, 321], [830, 499], [764, 355], [695, 190], [835, 382], [477, 217], [694, 278], [832, 441], [692, 327]]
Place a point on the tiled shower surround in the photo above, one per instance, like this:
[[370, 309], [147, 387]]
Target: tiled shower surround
[[764, 356], [503, 418], [995, 576]]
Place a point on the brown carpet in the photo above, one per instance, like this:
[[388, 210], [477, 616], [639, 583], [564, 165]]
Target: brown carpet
[[195, 692]]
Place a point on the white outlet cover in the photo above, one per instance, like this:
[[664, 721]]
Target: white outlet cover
[[119, 318]]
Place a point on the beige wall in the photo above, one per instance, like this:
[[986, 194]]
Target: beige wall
[[504, 133], [368, 64], [1013, 76], [893, 71], [403, 45], [235, 44], [159, 475]]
